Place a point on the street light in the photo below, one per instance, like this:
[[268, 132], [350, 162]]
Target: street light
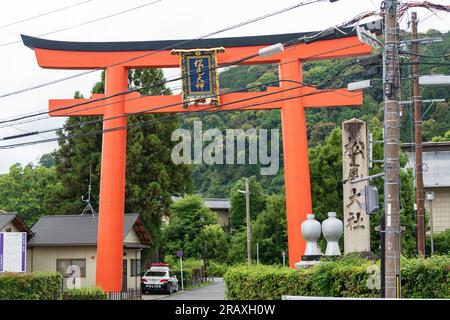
[[359, 85], [434, 80], [271, 50]]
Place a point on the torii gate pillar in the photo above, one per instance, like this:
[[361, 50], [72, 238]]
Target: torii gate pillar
[[112, 193], [296, 163]]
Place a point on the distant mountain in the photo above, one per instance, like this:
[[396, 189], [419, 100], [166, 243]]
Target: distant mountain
[[216, 180]]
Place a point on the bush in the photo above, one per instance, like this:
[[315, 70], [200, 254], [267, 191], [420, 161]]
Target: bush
[[426, 278], [215, 269], [85, 294], [192, 271], [30, 286], [441, 242], [346, 277]]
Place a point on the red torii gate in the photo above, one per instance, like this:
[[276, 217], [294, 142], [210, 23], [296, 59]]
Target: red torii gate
[[118, 57]]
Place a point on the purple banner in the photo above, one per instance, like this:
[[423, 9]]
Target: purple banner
[[1, 252], [24, 250]]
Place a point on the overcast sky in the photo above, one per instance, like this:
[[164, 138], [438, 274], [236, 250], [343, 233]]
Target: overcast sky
[[168, 19]]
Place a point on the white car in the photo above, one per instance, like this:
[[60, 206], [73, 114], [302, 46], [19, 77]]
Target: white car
[[159, 278]]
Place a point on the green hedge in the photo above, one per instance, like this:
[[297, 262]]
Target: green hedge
[[215, 269], [441, 242], [426, 278], [85, 294], [30, 286], [347, 277], [191, 267]]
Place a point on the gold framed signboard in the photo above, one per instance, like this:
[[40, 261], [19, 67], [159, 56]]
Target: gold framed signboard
[[200, 79]]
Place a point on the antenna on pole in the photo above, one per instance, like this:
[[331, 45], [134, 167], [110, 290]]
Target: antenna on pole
[[88, 207]]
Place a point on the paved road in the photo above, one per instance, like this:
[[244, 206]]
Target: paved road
[[211, 292]]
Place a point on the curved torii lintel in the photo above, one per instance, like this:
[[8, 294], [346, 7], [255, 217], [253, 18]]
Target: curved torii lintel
[[55, 54]]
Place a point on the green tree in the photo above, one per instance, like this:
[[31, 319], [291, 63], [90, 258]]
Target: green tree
[[445, 137], [25, 190], [47, 160], [325, 163], [269, 230], [213, 242], [188, 218], [238, 206], [238, 248]]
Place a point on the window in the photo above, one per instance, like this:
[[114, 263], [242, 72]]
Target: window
[[156, 274], [135, 267], [63, 266]]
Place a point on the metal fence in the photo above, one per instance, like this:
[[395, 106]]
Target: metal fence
[[130, 294], [97, 294]]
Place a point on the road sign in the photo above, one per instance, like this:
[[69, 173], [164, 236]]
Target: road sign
[[179, 253]]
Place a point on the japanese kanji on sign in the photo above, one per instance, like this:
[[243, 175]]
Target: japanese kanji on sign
[[199, 76]]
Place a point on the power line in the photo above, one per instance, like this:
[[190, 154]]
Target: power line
[[88, 22], [323, 83], [165, 48], [426, 56], [145, 123], [429, 63], [150, 86], [327, 81], [44, 14], [174, 104]]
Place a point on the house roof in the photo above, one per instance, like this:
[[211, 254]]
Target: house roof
[[428, 146], [5, 218], [12, 217], [217, 203], [211, 203], [72, 230], [436, 163]]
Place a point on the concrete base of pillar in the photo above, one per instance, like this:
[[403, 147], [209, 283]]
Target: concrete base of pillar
[[306, 264]]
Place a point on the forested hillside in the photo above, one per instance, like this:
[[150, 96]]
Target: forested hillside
[[216, 180]]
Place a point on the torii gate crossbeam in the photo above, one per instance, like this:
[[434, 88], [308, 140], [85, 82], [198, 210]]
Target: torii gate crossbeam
[[118, 57]]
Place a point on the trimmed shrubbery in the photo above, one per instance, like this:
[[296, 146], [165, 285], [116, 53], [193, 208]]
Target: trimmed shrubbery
[[215, 269], [85, 294], [192, 271], [347, 277], [426, 278], [30, 286], [441, 242]]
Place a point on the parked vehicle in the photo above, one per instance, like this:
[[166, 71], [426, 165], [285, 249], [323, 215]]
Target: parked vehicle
[[159, 278]]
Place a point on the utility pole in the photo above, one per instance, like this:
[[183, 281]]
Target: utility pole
[[247, 221], [391, 150], [420, 197], [257, 254]]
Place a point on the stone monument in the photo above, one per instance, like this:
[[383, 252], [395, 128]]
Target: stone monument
[[355, 166]]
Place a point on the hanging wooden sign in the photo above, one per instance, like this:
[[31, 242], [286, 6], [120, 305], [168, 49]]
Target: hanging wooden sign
[[200, 80]]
